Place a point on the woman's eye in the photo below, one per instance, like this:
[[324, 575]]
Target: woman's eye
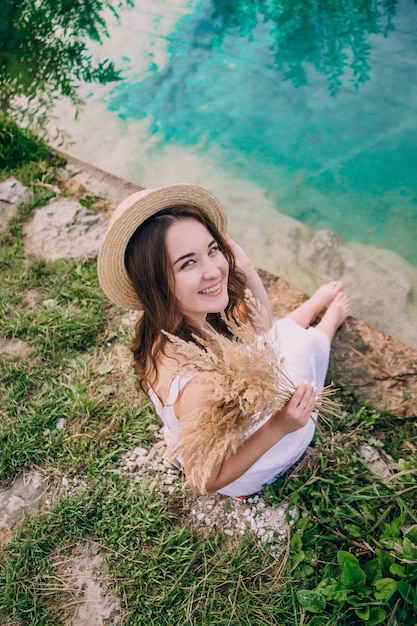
[[187, 264], [213, 249]]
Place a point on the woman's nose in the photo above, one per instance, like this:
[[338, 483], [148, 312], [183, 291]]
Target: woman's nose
[[211, 269]]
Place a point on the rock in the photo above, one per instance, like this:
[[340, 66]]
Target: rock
[[363, 273], [87, 574], [376, 367], [284, 297], [50, 303], [26, 494], [381, 285], [12, 195], [139, 451], [370, 364], [131, 466], [376, 464], [96, 181], [324, 253], [30, 296], [130, 318], [16, 347], [64, 229]]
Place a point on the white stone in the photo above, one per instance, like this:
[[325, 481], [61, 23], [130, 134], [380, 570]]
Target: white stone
[[169, 480], [64, 229], [49, 303], [140, 451]]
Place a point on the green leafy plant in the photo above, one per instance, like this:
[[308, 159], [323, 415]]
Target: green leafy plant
[[371, 589]]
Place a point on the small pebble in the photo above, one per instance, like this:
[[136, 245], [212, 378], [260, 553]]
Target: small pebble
[[140, 451], [131, 466], [233, 517], [49, 303]]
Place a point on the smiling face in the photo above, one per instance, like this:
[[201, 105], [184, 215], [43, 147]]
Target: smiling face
[[200, 270]]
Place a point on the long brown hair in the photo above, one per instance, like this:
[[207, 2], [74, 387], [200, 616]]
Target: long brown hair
[[150, 271]]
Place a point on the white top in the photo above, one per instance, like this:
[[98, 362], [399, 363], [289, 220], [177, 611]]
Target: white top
[[306, 353]]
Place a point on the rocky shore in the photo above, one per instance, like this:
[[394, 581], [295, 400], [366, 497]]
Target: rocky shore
[[370, 363], [381, 285]]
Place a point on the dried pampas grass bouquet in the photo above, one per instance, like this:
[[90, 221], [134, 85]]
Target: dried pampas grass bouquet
[[246, 382]]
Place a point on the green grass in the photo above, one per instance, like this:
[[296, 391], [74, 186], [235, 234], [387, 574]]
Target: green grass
[[165, 571], [19, 146]]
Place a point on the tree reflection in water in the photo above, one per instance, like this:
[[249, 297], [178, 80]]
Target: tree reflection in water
[[331, 35]]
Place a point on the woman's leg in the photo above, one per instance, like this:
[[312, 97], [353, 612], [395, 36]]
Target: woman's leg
[[307, 312], [335, 315]]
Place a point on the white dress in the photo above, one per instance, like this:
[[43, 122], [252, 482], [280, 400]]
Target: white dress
[[306, 353]]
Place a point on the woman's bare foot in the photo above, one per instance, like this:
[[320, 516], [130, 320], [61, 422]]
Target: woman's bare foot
[[335, 315], [307, 312], [326, 293]]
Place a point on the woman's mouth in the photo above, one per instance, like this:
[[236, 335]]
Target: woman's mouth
[[211, 290]]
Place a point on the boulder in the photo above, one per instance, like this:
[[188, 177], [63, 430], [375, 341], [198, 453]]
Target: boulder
[[25, 494], [64, 229], [370, 364]]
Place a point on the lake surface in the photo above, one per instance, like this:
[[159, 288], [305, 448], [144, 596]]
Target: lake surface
[[331, 148], [319, 110], [307, 109]]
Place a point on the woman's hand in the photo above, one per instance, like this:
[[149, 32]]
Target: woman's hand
[[243, 262], [253, 282], [297, 412], [293, 416]]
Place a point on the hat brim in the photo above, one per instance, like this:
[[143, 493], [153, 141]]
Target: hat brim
[[127, 218]]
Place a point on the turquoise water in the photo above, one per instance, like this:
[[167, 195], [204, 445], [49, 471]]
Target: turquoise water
[[316, 106]]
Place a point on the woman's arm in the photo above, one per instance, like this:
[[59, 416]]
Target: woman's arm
[[253, 280], [288, 419]]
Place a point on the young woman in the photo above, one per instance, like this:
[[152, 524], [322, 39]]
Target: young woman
[[166, 253]]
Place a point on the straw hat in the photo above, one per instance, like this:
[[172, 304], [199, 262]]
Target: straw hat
[[128, 216]]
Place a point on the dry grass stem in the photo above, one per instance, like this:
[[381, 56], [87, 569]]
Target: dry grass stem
[[245, 382]]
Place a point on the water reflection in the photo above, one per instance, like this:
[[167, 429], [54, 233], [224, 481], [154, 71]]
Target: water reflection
[[333, 36]]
